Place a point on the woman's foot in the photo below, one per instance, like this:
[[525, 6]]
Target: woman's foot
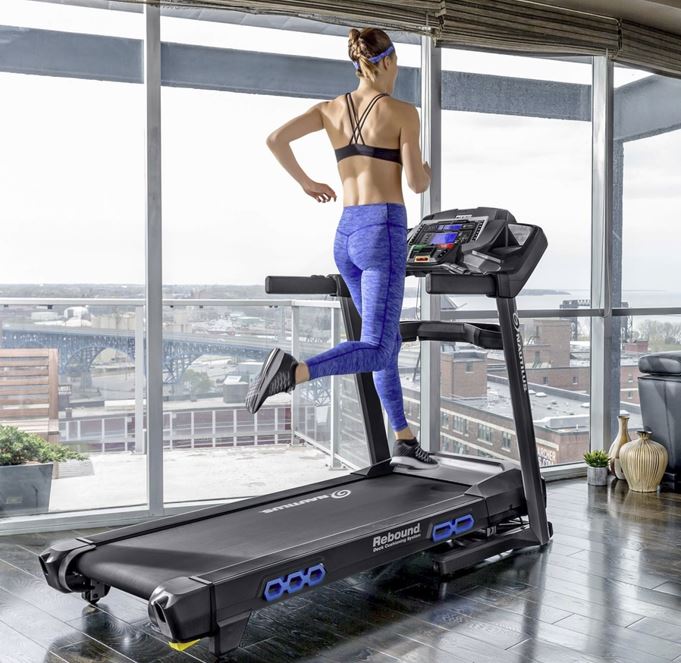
[[276, 376], [410, 452]]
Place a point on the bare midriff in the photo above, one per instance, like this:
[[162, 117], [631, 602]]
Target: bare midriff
[[368, 180]]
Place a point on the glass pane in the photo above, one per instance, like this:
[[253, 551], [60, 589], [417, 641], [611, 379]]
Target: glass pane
[[647, 191], [73, 201], [123, 22], [231, 217], [271, 40], [637, 336], [73, 165], [69, 374], [476, 410], [534, 160]]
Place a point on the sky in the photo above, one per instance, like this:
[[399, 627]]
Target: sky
[[72, 172]]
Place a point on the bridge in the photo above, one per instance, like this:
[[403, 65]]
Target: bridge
[[78, 347]]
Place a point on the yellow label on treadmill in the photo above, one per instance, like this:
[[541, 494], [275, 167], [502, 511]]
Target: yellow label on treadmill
[[181, 646]]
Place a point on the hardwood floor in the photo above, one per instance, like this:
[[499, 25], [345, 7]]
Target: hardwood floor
[[607, 589]]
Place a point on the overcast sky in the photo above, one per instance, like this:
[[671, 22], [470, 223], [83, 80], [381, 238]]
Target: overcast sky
[[72, 172]]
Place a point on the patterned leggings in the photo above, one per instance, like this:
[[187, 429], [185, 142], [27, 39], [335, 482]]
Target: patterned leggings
[[370, 251]]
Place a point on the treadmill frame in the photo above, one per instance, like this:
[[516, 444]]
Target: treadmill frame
[[178, 607]]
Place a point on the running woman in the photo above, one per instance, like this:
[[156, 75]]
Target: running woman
[[374, 136]]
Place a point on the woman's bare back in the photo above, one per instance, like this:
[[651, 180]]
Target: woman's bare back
[[367, 179]]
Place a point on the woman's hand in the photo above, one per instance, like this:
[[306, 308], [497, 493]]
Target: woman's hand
[[426, 167], [322, 193]]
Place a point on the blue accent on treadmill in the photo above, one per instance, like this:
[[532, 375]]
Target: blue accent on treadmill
[[370, 251], [294, 582], [450, 528]]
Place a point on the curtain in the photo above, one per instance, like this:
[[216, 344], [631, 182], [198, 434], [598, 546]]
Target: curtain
[[526, 26]]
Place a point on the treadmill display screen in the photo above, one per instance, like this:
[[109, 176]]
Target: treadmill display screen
[[453, 226], [443, 238]]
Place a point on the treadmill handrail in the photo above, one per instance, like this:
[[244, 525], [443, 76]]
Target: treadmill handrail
[[307, 285], [461, 284], [480, 334]]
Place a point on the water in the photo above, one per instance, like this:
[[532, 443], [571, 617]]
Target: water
[[553, 300]]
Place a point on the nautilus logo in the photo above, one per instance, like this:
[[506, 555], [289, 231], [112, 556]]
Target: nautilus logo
[[337, 495], [519, 349]]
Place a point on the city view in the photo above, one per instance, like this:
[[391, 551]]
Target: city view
[[211, 352]]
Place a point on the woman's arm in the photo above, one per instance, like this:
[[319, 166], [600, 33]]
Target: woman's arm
[[279, 142], [416, 170]]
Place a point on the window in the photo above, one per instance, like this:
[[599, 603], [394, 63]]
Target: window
[[530, 162], [215, 163], [545, 379], [469, 367], [506, 440], [460, 425], [575, 379], [484, 433]]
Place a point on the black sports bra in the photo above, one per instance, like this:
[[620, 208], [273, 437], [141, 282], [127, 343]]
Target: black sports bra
[[353, 147]]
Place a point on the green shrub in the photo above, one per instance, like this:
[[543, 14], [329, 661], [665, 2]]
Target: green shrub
[[18, 447], [597, 458]]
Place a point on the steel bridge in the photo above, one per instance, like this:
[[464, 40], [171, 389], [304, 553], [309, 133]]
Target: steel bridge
[[78, 347]]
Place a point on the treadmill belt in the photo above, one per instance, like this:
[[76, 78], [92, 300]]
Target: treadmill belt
[[139, 564]]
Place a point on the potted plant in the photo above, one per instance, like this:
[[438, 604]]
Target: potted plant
[[597, 467], [26, 466]]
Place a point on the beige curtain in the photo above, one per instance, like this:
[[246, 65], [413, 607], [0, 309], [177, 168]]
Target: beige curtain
[[526, 26], [650, 49], [411, 15]]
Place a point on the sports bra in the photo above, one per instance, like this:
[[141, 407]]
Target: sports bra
[[353, 147]]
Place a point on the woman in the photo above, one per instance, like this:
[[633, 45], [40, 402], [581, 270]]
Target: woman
[[373, 136]]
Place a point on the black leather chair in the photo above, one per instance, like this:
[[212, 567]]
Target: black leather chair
[[660, 395]]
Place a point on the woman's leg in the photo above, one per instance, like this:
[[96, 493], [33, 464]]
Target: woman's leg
[[389, 388], [375, 250]]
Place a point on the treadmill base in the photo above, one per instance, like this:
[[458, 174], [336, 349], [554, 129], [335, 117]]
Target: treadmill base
[[466, 553], [228, 634]]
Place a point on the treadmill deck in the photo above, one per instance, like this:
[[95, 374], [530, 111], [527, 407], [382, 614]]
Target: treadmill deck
[[268, 532]]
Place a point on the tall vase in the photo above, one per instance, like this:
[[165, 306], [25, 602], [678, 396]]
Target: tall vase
[[643, 463], [622, 438]]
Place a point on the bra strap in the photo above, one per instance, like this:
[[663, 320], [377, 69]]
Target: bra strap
[[352, 112], [359, 124]]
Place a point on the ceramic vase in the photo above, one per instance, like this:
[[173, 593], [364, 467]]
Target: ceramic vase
[[614, 464], [643, 463]]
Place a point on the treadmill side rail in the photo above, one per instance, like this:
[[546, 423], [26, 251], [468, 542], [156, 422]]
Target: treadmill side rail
[[178, 609], [56, 564]]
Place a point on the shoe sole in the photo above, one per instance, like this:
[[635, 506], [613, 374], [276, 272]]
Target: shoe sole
[[413, 463], [272, 364]]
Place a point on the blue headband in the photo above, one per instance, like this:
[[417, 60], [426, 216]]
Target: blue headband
[[377, 58]]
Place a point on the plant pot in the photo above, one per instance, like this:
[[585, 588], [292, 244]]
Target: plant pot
[[25, 489], [73, 468], [596, 476]]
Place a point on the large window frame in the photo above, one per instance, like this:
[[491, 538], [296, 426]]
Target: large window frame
[[606, 276]]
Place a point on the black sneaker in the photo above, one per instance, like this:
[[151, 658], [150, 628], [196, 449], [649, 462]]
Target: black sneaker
[[277, 376], [410, 453]]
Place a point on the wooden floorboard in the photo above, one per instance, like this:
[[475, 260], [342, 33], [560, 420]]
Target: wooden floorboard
[[608, 588]]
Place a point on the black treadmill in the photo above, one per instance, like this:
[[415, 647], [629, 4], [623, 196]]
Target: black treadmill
[[205, 571]]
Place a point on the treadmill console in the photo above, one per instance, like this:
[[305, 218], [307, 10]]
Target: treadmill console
[[480, 242]]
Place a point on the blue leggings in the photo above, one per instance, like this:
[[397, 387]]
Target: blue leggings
[[370, 251]]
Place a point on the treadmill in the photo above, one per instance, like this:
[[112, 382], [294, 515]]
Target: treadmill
[[205, 571]]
